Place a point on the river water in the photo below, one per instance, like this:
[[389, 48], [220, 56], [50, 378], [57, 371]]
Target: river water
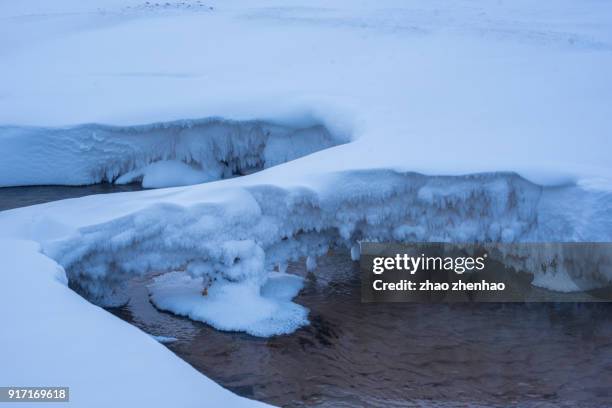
[[390, 355], [387, 355], [14, 197]]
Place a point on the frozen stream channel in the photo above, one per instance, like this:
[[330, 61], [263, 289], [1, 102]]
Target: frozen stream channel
[[386, 355]]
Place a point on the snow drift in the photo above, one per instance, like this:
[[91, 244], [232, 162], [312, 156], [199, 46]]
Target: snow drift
[[438, 96], [82, 346], [237, 235], [158, 155], [264, 310]]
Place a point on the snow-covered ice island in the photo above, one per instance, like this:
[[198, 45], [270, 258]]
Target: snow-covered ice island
[[372, 120]]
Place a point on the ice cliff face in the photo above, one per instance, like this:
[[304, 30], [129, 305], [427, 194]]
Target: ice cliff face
[[227, 238], [471, 88], [245, 234], [158, 155]]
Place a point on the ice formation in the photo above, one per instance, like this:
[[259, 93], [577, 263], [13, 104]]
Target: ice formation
[[264, 310], [70, 341], [437, 99], [160, 155], [241, 234], [558, 267], [165, 339]]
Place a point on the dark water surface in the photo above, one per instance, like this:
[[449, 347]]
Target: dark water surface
[[388, 355], [396, 355], [14, 197]]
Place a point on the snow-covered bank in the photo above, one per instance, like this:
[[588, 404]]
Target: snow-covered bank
[[235, 232], [159, 155], [437, 87], [53, 337], [470, 120], [264, 310]]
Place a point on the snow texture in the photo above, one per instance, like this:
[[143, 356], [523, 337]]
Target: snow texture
[[468, 121], [260, 311], [52, 336], [436, 87], [165, 339], [237, 233], [159, 155]]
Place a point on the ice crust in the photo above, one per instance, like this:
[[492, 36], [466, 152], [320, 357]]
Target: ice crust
[[52, 335], [160, 154], [260, 311], [437, 98], [241, 234]]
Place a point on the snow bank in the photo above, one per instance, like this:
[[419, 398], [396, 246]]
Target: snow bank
[[165, 339], [160, 155], [237, 231], [561, 268], [470, 121], [166, 173], [51, 336], [263, 311], [452, 88]]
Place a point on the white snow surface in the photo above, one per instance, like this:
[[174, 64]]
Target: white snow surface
[[468, 120], [437, 87], [260, 311], [165, 173], [158, 155], [239, 230], [165, 339], [53, 337]]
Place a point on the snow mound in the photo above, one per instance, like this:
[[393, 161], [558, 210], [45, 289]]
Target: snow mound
[[165, 339], [161, 154], [561, 268], [262, 312], [166, 173], [559, 282], [71, 342], [236, 235]]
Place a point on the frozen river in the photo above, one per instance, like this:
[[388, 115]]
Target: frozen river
[[386, 355]]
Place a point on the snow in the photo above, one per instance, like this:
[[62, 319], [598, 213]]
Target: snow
[[165, 339], [559, 282], [435, 87], [51, 336], [562, 268], [160, 154], [166, 173], [466, 121], [265, 311], [237, 231]]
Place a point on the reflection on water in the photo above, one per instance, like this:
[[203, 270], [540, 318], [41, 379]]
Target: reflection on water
[[14, 197], [391, 355]]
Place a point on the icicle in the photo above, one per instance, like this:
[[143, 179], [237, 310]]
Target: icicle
[[355, 252], [311, 263]]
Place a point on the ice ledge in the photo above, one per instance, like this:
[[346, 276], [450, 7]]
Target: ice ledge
[[259, 311], [259, 228], [158, 155], [71, 342]]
